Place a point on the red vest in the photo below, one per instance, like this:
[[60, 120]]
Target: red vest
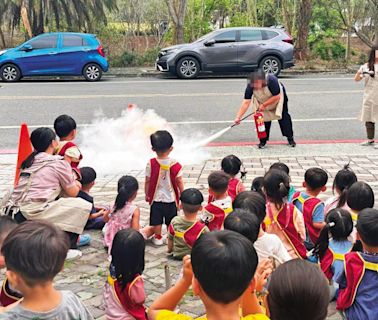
[[234, 186], [138, 311], [7, 296], [327, 261], [74, 165], [215, 216], [309, 205], [355, 267], [174, 170], [190, 235], [285, 221]]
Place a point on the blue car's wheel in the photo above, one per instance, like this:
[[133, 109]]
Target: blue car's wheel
[[10, 73], [92, 72]]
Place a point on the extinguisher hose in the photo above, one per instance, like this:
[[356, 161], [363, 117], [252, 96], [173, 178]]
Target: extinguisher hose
[[244, 118]]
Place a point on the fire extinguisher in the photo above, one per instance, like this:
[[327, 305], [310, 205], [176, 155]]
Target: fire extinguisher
[[260, 125]]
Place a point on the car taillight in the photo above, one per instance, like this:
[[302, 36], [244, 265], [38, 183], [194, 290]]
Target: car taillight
[[101, 51], [289, 39]]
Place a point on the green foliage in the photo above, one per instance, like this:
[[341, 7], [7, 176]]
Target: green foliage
[[329, 50], [133, 59]]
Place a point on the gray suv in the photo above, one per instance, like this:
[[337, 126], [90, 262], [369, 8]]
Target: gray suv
[[230, 50]]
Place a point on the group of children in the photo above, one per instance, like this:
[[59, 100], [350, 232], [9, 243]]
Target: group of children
[[246, 254]]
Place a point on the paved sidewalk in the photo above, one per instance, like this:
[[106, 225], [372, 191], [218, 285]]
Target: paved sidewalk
[[87, 276]]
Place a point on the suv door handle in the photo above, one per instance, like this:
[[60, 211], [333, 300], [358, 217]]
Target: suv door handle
[[53, 53]]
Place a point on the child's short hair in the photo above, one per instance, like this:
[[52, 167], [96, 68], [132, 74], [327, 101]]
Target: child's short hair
[[360, 196], [7, 224], [215, 256], [280, 166], [252, 201], [36, 250], [243, 222], [298, 290], [191, 200], [367, 226], [218, 181], [316, 178], [63, 125], [88, 175], [161, 141], [231, 165], [257, 185]]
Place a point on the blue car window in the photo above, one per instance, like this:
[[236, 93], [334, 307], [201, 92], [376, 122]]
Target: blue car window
[[45, 42], [228, 36], [250, 35], [73, 41]]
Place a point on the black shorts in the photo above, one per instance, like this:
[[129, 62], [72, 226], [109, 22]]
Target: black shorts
[[162, 212]]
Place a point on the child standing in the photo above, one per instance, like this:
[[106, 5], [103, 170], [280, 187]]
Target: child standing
[[124, 294], [96, 217], [344, 179], [284, 219], [185, 230], [124, 214], [358, 282], [331, 251], [232, 165], [310, 205], [217, 210], [163, 184], [65, 128], [34, 254], [211, 272]]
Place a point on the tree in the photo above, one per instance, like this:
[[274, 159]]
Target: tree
[[303, 22], [177, 10]]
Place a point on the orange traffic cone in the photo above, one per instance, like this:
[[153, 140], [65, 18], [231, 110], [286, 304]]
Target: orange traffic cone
[[25, 148]]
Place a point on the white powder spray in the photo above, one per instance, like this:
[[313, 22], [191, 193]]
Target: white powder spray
[[117, 146]]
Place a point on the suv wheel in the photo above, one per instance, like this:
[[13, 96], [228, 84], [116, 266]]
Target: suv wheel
[[92, 72], [10, 73], [271, 65], [188, 68]]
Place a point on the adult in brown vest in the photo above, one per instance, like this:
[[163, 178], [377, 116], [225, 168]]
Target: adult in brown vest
[[268, 95]]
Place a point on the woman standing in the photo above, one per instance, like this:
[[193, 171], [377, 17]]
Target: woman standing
[[369, 113], [268, 95]]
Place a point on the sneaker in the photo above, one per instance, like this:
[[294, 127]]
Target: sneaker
[[84, 240], [73, 254], [292, 143], [261, 145], [367, 143], [157, 241]]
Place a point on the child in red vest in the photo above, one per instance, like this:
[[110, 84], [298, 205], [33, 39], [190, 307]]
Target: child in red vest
[[284, 219], [232, 165], [358, 283], [185, 230], [124, 294], [163, 184], [65, 128], [217, 210], [312, 207]]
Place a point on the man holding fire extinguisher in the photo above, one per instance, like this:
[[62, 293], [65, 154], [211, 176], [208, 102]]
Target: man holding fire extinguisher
[[269, 102]]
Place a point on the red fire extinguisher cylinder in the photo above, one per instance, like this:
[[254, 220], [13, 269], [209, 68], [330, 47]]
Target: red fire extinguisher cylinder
[[260, 125]]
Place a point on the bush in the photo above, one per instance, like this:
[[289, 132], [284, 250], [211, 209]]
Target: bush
[[337, 50], [132, 59], [333, 50]]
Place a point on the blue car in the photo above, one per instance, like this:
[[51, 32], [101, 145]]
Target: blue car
[[55, 54]]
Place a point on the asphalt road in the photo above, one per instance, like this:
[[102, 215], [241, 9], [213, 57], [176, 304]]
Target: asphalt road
[[323, 107]]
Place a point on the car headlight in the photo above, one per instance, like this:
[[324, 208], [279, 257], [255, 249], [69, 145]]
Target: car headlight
[[166, 52]]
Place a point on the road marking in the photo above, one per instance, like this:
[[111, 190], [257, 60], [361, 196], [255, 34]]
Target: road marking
[[191, 122], [164, 95]]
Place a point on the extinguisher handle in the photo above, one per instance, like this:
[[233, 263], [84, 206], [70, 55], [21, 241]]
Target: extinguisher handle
[[242, 119]]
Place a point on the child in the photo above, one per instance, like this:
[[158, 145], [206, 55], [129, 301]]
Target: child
[[360, 196], [124, 294], [266, 245], [34, 254], [231, 165], [331, 252], [312, 207], [163, 184], [358, 282], [298, 290], [284, 219], [215, 258], [124, 214], [344, 179], [65, 128], [96, 217], [185, 230], [283, 167], [257, 185], [217, 210], [8, 296]]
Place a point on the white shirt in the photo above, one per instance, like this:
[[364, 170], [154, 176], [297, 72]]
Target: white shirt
[[269, 245], [223, 204], [164, 191]]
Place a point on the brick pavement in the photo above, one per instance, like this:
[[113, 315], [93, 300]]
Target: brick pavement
[[87, 276]]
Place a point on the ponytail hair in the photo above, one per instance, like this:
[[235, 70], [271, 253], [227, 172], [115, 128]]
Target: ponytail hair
[[127, 187], [343, 181], [41, 139], [276, 186], [339, 225]]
